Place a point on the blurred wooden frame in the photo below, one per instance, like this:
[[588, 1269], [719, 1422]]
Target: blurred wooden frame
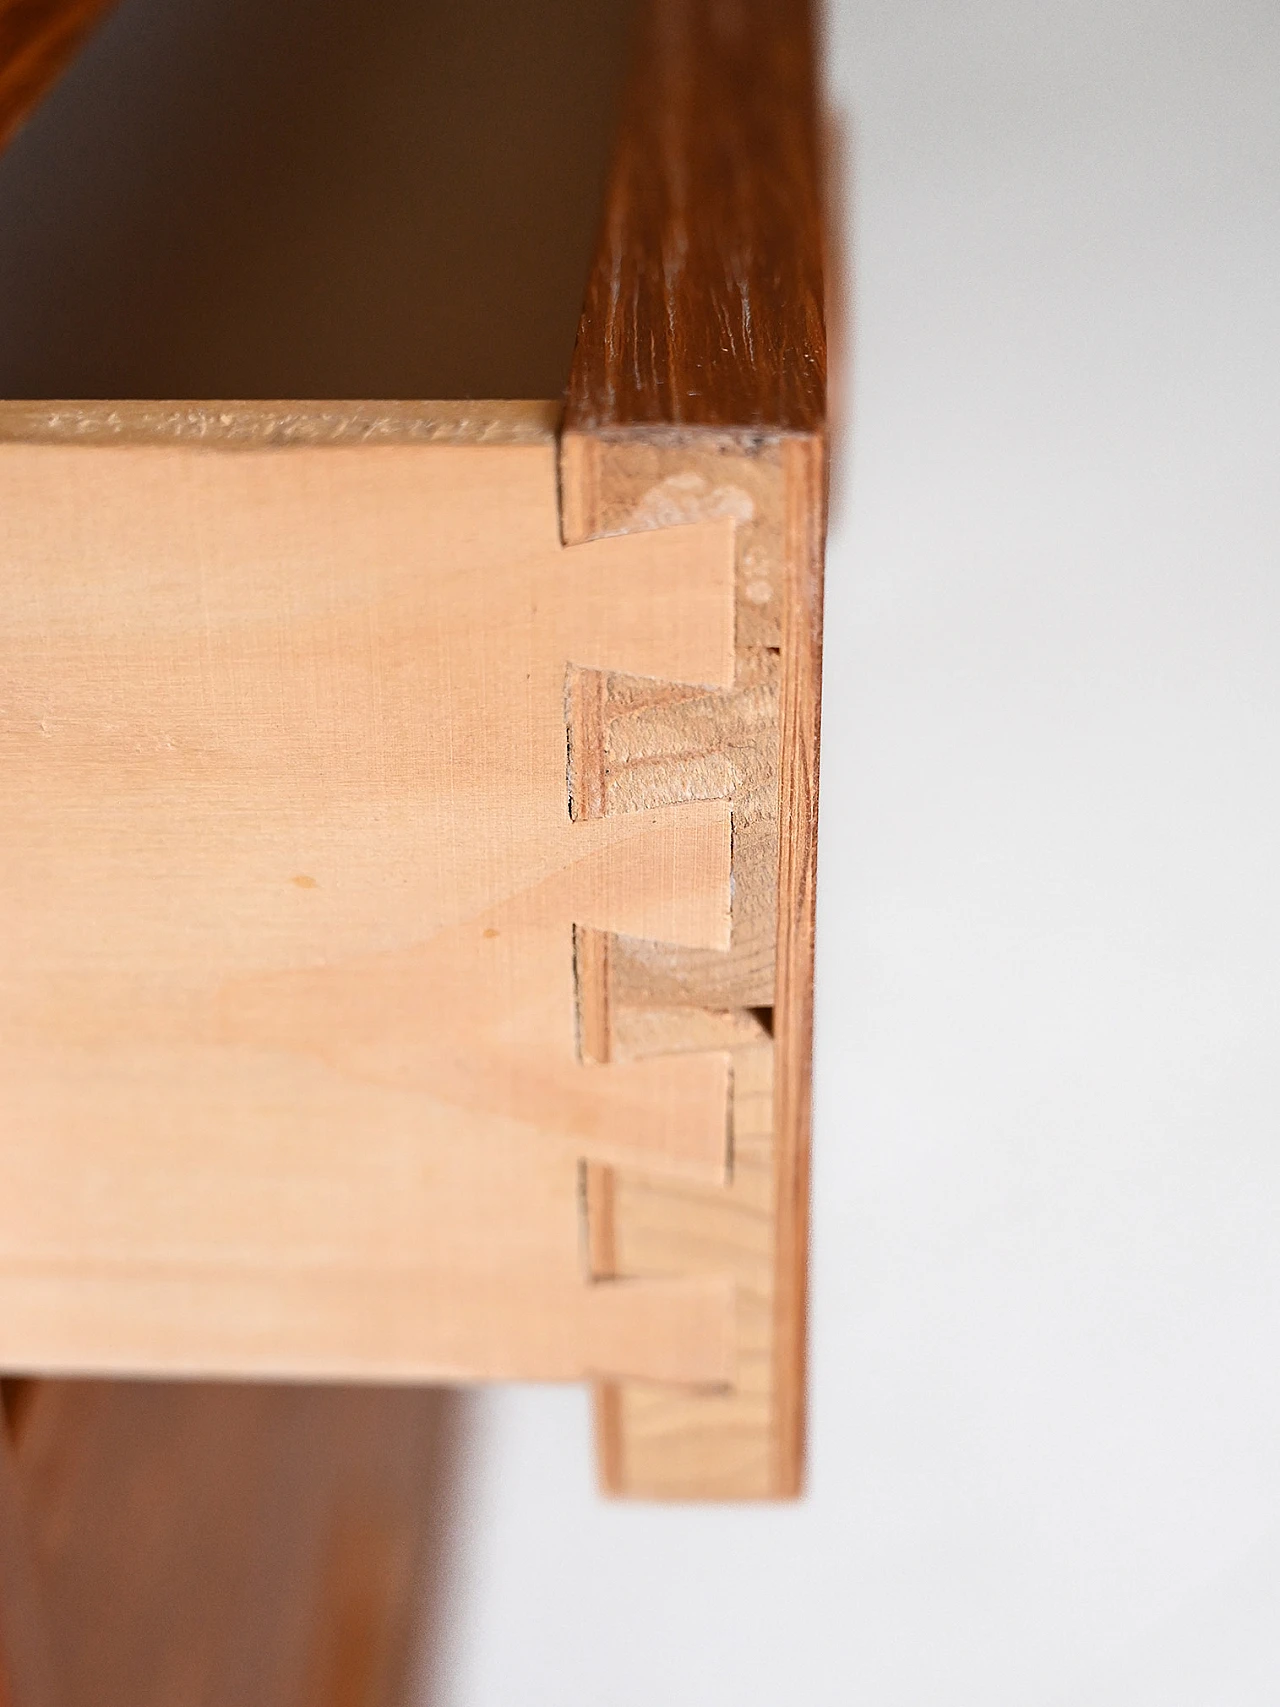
[[407, 871]]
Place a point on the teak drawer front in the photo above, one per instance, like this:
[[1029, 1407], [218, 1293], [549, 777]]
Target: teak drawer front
[[407, 826]]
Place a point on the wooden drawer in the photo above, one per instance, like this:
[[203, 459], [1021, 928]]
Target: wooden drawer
[[407, 807]]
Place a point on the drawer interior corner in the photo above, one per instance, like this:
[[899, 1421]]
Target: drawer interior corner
[[310, 199]]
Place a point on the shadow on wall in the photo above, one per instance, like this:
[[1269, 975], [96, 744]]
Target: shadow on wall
[[225, 199]]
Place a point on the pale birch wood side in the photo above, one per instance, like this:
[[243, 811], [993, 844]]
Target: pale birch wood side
[[288, 883]]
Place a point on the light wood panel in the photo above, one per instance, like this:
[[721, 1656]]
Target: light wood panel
[[288, 886]]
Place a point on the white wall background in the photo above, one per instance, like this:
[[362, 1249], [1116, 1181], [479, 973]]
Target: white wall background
[[1046, 1329]]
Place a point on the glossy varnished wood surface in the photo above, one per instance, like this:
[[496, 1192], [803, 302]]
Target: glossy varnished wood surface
[[704, 305], [37, 40]]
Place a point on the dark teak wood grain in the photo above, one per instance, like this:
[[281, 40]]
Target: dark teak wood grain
[[704, 306]]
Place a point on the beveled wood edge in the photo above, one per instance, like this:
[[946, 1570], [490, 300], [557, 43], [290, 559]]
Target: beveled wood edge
[[265, 425]]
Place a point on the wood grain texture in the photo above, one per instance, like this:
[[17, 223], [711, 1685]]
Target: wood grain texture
[[38, 39], [288, 888], [242, 1546], [756, 745], [407, 885], [704, 304], [638, 745], [698, 388], [805, 485]]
